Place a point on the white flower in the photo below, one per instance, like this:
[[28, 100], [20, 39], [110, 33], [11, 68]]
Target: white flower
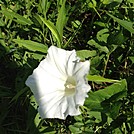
[[58, 84]]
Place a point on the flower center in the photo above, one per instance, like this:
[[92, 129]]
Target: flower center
[[70, 86]]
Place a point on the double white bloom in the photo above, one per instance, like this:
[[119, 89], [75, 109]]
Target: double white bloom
[[59, 84]]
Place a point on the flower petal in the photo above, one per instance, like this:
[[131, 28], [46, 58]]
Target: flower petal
[[73, 108], [80, 72], [49, 79], [59, 58], [71, 63], [42, 83], [48, 92], [54, 107]]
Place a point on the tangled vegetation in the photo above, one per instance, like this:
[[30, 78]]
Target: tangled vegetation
[[100, 31]]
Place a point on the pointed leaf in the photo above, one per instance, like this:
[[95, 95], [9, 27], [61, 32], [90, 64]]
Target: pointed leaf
[[31, 45], [97, 78], [126, 24], [61, 20], [96, 99], [16, 17], [53, 29], [2, 22], [102, 35], [93, 43], [86, 53]]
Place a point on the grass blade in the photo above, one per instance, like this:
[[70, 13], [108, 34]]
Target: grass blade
[[16, 17], [61, 20], [53, 29]]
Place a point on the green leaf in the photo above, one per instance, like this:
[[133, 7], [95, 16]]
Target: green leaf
[[99, 23], [95, 114], [93, 43], [53, 29], [96, 99], [106, 2], [131, 1], [37, 120], [111, 1], [47, 130], [102, 35], [16, 17], [74, 129], [113, 109], [92, 4], [131, 58], [97, 78], [31, 45], [85, 53], [45, 5], [34, 55], [117, 131], [116, 38], [126, 24], [1, 22], [95, 61], [2, 41], [76, 23], [78, 124], [61, 20], [78, 118]]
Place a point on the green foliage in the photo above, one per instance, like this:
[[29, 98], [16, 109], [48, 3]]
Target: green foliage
[[97, 78], [31, 45], [100, 31], [126, 24], [53, 29]]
